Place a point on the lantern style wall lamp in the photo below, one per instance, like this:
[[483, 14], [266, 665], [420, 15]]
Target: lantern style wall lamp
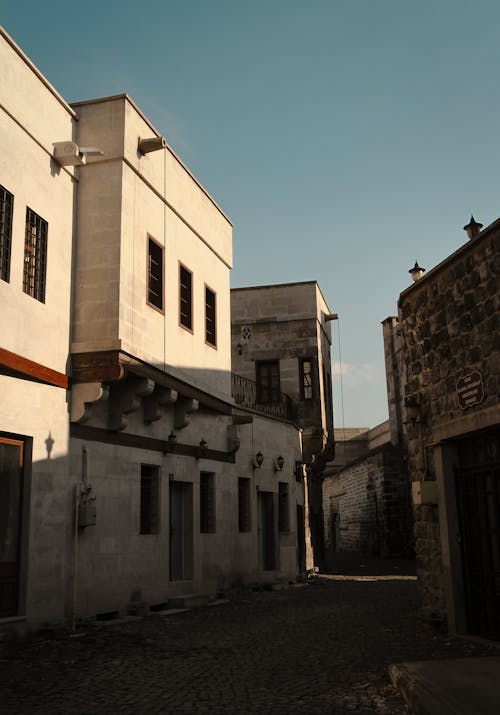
[[414, 410], [170, 443], [416, 272], [278, 465], [259, 458], [202, 448]]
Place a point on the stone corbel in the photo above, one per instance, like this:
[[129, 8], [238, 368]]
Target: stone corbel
[[152, 406], [84, 396], [126, 398], [183, 408], [233, 438]]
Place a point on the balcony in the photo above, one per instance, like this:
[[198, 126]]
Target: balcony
[[244, 392]]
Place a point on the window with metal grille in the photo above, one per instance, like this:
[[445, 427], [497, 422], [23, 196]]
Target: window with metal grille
[[6, 209], [268, 381], [244, 518], [207, 503], [150, 499], [306, 377], [284, 511], [210, 317], [35, 256], [186, 298], [155, 274]]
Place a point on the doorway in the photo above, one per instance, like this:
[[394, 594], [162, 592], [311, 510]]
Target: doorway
[[11, 492], [181, 531], [266, 531], [477, 479]]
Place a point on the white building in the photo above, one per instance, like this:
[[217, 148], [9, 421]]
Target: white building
[[128, 476]]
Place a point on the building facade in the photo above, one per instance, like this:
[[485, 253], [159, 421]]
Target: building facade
[[128, 475], [281, 342], [449, 322]]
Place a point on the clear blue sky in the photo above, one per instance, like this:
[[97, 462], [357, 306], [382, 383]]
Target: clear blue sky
[[344, 138]]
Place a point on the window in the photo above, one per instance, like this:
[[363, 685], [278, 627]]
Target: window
[[268, 381], [210, 317], [155, 274], [306, 386], [207, 503], [283, 513], [186, 298], [150, 499], [35, 256], [244, 520], [6, 207]]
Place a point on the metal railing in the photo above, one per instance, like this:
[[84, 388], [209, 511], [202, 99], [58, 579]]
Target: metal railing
[[244, 392]]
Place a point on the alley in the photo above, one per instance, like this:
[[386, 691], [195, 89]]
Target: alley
[[321, 648]]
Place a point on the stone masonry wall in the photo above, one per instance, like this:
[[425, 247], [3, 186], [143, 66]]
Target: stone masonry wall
[[450, 327]]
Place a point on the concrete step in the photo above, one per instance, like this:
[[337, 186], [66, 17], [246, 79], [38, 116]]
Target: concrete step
[[189, 600]]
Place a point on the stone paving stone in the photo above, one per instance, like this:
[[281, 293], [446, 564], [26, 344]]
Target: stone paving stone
[[321, 649]]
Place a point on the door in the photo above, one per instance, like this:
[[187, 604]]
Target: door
[[181, 531], [11, 472], [478, 495], [301, 540], [266, 531]]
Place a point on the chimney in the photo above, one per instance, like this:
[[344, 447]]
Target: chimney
[[473, 228]]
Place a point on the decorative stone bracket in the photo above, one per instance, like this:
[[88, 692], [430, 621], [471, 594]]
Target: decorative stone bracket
[[161, 398], [183, 407], [126, 398], [83, 396]]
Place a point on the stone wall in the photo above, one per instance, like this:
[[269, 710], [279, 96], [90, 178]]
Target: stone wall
[[449, 321]]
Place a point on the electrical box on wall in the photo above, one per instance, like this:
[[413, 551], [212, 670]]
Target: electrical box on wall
[[424, 493], [87, 513]]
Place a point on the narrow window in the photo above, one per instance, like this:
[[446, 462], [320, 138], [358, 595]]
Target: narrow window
[[244, 521], [207, 503], [268, 381], [283, 514], [155, 274], [210, 317], [306, 386], [35, 256], [6, 207], [150, 499], [186, 298]]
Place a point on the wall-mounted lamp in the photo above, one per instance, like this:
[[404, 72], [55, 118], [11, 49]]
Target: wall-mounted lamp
[[278, 467], [202, 448], [259, 458], [416, 272], [413, 410], [170, 443], [152, 144]]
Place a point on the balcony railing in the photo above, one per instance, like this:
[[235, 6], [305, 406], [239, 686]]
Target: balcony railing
[[244, 392]]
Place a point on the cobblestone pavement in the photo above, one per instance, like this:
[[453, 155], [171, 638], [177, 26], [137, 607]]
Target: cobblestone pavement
[[323, 648]]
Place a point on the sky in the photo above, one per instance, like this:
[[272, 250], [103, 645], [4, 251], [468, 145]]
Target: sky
[[344, 138]]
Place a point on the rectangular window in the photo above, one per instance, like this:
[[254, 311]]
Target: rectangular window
[[306, 386], [155, 274], [207, 503], [284, 511], [35, 256], [210, 317], [244, 520], [268, 381], [6, 209], [150, 499], [186, 298]]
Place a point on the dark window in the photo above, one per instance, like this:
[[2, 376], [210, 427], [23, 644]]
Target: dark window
[[306, 386], [210, 317], [150, 499], [186, 298], [268, 381], [35, 256], [207, 503], [6, 207], [244, 519], [283, 514], [155, 274]]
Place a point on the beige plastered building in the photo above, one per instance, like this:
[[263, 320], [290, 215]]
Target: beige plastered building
[[128, 475]]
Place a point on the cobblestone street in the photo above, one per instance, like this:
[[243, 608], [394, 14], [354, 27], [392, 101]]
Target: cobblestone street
[[322, 648]]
